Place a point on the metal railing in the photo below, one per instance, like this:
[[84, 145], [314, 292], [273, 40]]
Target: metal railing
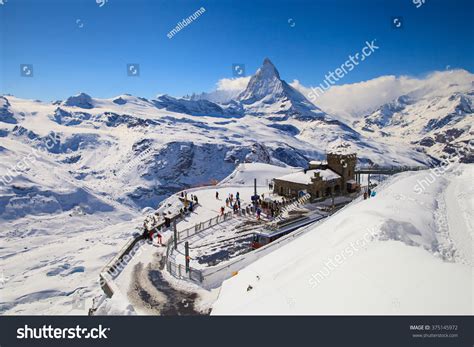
[[199, 227], [388, 169], [179, 270]]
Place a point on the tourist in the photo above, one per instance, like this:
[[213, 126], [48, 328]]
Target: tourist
[[195, 199], [217, 195], [150, 235], [222, 210], [227, 202], [158, 238]]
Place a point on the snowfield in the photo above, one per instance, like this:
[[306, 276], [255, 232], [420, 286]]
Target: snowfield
[[397, 253]]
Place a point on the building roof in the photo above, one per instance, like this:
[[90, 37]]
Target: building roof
[[318, 162], [302, 177]]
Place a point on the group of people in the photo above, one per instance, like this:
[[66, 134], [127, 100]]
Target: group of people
[[155, 223], [189, 204], [235, 203]]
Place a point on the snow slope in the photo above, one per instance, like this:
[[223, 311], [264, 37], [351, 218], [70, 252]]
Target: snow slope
[[398, 253]]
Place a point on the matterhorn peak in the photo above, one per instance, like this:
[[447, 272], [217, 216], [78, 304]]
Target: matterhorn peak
[[266, 83], [266, 92], [268, 69]]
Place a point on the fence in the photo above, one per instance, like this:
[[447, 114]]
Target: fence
[[197, 228], [179, 270]]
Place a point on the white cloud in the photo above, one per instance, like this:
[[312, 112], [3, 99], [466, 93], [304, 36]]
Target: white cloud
[[351, 101], [239, 83]]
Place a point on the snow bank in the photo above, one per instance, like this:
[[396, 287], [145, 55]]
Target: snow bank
[[385, 255]]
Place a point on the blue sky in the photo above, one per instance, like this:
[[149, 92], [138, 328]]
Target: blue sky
[[68, 59]]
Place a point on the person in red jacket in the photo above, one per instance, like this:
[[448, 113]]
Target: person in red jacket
[[158, 238]]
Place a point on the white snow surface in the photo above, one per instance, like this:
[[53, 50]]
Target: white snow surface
[[304, 177], [401, 252]]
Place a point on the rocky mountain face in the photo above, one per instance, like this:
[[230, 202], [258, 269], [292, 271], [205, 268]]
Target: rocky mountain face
[[440, 125], [267, 94]]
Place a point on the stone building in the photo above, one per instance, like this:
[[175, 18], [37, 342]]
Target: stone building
[[321, 179]]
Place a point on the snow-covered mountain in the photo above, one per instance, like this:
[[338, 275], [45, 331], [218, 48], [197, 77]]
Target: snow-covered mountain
[[138, 151], [439, 125], [88, 166], [268, 94], [432, 114]]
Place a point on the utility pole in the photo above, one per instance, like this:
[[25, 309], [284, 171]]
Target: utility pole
[[368, 185], [186, 254], [175, 239], [254, 198]]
